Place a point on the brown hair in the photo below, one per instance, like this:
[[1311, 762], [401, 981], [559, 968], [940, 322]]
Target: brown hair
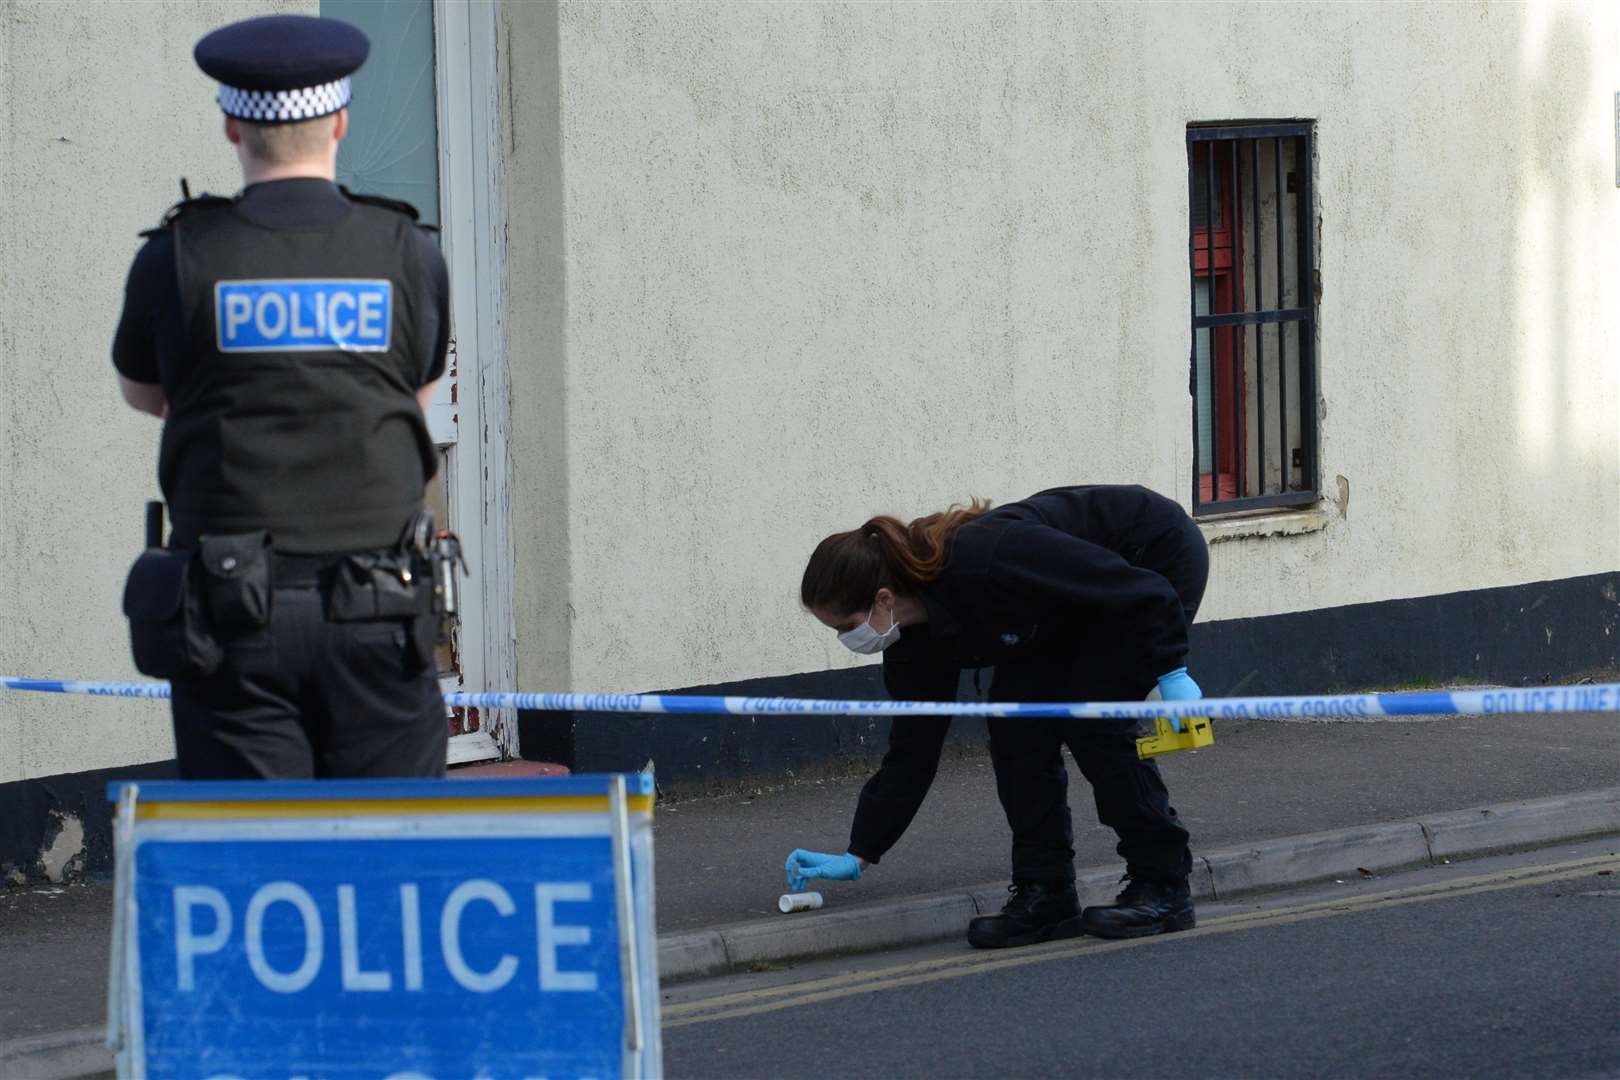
[[847, 569]]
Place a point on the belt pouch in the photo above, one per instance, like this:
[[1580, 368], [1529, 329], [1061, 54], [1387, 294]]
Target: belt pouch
[[375, 585], [236, 576], [168, 629], [387, 585]]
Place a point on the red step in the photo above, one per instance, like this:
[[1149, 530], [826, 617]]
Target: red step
[[507, 770]]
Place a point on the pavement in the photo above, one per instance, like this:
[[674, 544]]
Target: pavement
[[720, 860], [1272, 804]]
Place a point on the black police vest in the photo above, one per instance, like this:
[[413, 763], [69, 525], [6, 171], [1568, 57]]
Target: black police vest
[[299, 415]]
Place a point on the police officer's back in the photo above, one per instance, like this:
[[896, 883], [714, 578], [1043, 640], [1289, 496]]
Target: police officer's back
[[290, 338]]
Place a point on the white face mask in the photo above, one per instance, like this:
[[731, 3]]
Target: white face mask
[[866, 639]]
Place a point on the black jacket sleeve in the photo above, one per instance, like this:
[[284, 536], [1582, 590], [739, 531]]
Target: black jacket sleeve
[[150, 294], [435, 304], [1044, 574], [912, 671]]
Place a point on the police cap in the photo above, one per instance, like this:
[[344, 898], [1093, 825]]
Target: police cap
[[280, 69]]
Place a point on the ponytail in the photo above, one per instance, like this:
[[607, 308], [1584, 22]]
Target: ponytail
[[847, 569]]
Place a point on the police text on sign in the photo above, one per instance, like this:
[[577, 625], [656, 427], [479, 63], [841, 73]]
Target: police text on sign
[[204, 923]]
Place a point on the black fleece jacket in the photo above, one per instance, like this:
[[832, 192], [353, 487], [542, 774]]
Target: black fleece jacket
[[1075, 593]]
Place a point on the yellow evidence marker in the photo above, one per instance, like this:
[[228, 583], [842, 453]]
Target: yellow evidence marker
[[1195, 731]]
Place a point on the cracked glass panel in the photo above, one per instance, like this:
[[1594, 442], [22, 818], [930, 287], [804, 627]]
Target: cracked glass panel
[[393, 144]]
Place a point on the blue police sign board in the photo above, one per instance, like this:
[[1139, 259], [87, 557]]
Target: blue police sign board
[[426, 930], [302, 314]]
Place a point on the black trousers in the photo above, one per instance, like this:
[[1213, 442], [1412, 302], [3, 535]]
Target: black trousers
[[305, 697], [1032, 782], [1031, 778]]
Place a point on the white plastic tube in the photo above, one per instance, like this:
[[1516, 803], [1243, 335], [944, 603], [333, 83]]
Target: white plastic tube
[[798, 901]]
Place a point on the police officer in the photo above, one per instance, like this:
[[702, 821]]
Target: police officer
[[290, 338], [1074, 594]]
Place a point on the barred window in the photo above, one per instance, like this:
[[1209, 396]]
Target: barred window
[[1253, 353]]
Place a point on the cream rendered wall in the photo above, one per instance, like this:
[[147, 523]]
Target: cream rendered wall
[[101, 112], [1468, 342], [813, 261], [536, 335]]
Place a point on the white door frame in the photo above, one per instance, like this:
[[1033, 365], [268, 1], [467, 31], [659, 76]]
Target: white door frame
[[473, 217]]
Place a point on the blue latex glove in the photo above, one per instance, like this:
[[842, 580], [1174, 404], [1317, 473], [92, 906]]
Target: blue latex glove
[[803, 865], [1177, 685]]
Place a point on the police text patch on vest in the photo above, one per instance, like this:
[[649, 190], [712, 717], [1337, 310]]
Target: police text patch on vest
[[296, 314]]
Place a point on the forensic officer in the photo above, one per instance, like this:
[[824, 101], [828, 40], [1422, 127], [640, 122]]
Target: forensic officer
[[290, 338], [1074, 594]]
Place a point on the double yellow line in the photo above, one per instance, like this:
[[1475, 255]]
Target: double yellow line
[[812, 991]]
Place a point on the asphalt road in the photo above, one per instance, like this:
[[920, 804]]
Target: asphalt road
[[1507, 967]]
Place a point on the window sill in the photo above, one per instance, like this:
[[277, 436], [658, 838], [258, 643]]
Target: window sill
[[1268, 523]]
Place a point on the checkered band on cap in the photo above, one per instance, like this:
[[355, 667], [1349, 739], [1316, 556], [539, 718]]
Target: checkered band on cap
[[282, 106]]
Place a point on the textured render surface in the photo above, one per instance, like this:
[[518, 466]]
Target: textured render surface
[[1468, 380], [824, 260], [101, 113], [536, 336]]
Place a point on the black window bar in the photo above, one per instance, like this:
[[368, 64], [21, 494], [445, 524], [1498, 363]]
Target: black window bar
[[1253, 391]]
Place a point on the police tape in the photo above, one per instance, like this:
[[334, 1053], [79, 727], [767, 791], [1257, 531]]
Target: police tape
[[1591, 697]]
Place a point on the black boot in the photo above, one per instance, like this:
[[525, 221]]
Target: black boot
[[1143, 907], [1036, 911]]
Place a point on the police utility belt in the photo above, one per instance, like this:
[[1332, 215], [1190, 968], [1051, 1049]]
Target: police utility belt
[[183, 602]]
